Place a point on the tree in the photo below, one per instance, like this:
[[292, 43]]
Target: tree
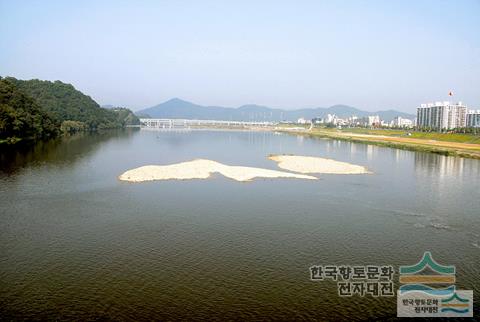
[[21, 117]]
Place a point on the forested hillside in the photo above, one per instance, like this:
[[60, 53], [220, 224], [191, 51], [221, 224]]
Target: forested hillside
[[21, 117], [125, 116], [37, 109], [66, 103]]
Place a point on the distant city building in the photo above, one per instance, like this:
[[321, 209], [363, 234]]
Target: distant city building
[[473, 118], [330, 118], [373, 120], [303, 121], [402, 122], [352, 119], [333, 119], [385, 123], [442, 115], [339, 121]]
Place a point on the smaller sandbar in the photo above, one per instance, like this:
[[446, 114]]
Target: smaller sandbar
[[202, 169], [305, 164]]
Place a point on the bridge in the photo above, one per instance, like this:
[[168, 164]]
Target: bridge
[[186, 124]]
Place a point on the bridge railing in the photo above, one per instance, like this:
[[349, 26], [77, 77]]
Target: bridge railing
[[176, 123]]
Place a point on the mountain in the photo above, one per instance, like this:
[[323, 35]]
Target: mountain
[[21, 117], [390, 114], [177, 108]]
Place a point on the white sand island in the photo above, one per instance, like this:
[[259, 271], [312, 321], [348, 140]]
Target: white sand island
[[202, 169], [303, 164]]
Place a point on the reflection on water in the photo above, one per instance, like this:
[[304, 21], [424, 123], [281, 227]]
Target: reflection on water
[[371, 151], [400, 155], [76, 243], [59, 151], [428, 164]]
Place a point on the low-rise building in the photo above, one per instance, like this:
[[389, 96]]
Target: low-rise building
[[303, 121], [399, 121]]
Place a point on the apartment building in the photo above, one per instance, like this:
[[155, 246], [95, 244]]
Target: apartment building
[[442, 115]]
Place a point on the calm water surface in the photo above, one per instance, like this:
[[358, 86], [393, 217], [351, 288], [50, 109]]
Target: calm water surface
[[76, 243]]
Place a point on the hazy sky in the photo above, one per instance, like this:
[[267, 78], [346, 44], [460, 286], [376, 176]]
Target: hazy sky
[[289, 54]]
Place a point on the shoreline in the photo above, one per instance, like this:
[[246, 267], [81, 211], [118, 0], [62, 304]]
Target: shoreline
[[447, 148]]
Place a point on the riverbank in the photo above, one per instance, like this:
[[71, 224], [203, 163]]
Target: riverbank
[[443, 147]]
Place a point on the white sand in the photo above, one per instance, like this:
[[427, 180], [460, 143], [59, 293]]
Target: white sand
[[304, 164], [202, 169]]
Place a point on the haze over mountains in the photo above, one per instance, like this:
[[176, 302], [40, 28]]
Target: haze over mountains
[[180, 109]]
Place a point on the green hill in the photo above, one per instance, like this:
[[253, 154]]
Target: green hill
[[21, 117], [39, 109], [125, 116], [66, 103]]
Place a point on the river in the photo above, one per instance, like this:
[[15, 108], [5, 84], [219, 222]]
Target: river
[[77, 243]]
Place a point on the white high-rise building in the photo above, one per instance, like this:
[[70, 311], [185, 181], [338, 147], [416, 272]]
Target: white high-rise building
[[442, 115], [473, 118]]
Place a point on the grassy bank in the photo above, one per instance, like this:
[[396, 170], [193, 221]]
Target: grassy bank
[[462, 145], [446, 137]]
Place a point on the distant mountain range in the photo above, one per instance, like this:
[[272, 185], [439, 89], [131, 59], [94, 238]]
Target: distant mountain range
[[177, 108]]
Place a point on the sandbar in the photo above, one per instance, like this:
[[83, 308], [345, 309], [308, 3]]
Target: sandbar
[[305, 164], [202, 169]]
